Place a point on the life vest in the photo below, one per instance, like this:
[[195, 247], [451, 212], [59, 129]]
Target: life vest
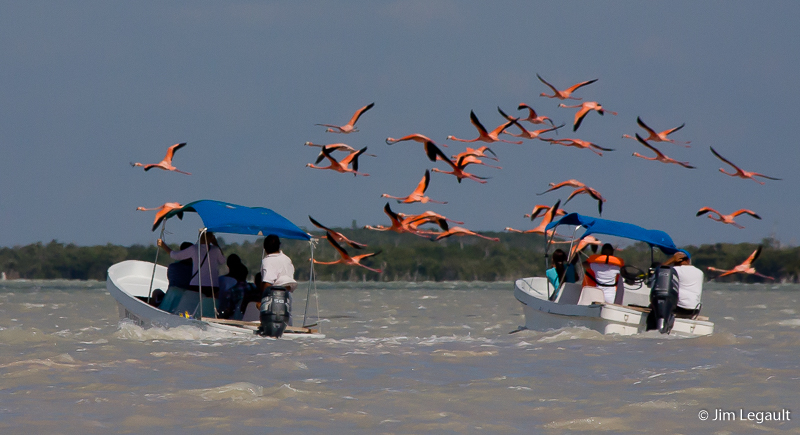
[[589, 279]]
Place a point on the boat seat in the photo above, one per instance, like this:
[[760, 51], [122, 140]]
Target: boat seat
[[590, 295], [570, 293]]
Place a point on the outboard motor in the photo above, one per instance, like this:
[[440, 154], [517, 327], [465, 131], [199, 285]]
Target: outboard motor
[[663, 300], [275, 311]]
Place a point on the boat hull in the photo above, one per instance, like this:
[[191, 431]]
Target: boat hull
[[130, 280], [542, 314]]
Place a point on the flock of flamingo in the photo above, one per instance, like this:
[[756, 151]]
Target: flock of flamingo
[[457, 164]]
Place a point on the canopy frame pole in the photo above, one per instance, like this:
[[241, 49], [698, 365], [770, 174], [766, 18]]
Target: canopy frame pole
[[199, 278], [311, 281], [310, 278], [210, 277], [155, 263], [569, 258], [546, 262]]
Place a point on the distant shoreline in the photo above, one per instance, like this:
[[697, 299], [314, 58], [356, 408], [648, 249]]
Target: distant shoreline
[[403, 258]]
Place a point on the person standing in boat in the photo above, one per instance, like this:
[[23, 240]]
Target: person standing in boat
[[561, 272], [688, 280], [277, 270], [206, 258], [602, 271]]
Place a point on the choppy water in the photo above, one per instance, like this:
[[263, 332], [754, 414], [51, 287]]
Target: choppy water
[[398, 358]]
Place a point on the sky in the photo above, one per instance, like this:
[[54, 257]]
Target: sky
[[88, 87]]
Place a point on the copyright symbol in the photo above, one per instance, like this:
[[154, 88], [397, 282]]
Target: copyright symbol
[[703, 415]]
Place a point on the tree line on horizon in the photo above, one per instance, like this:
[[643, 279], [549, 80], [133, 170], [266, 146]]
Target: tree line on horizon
[[403, 257]]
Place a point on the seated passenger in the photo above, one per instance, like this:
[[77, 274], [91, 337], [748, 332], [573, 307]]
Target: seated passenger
[[252, 293], [229, 280], [179, 274], [602, 271], [688, 280], [561, 273], [232, 288]]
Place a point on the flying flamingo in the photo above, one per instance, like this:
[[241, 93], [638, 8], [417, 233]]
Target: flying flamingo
[[165, 164], [533, 118], [726, 218], [745, 267], [343, 165], [581, 245], [584, 242], [578, 143], [740, 172], [429, 217], [339, 237], [458, 166], [429, 146], [571, 183], [591, 192], [584, 109], [333, 147], [479, 152], [660, 157], [540, 229], [565, 94], [459, 231], [658, 137], [467, 158], [398, 226], [350, 126], [532, 134], [416, 137], [418, 195], [486, 136], [162, 212], [345, 258], [539, 209]]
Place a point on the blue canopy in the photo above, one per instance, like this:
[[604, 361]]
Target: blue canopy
[[223, 217], [619, 229]]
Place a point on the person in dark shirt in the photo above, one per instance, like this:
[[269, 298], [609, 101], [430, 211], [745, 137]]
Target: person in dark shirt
[[232, 288], [179, 274]]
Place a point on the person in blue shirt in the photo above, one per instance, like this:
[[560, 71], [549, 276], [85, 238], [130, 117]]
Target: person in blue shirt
[[560, 272]]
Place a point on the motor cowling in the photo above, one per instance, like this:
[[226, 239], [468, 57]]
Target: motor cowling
[[663, 301], [274, 312]]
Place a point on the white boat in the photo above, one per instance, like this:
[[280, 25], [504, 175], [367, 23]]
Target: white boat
[[583, 306], [129, 283], [576, 305], [132, 282]]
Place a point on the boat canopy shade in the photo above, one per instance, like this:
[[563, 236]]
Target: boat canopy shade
[[620, 229], [222, 217]]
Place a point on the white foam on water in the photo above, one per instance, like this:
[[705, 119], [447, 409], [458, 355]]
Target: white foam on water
[[129, 331], [572, 333], [789, 322]]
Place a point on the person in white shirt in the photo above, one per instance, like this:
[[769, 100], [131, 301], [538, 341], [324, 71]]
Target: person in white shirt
[[689, 282], [277, 270], [602, 271], [276, 267]]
